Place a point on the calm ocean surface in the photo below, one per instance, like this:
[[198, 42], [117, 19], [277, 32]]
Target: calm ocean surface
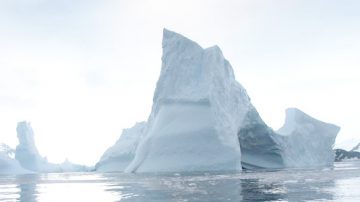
[[341, 183]]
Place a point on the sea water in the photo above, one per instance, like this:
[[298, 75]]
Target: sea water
[[340, 183]]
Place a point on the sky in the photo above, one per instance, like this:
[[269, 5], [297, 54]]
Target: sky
[[81, 71]]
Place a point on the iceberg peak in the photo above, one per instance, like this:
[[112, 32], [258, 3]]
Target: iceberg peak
[[25, 136], [173, 38], [26, 152], [296, 115], [197, 106], [298, 120]]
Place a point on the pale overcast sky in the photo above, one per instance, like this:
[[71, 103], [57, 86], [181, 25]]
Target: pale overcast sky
[[80, 71]]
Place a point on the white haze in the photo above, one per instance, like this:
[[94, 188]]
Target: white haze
[[81, 71]]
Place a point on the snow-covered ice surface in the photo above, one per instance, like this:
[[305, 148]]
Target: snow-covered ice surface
[[338, 184], [202, 120]]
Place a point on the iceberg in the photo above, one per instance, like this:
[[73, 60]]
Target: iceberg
[[308, 142], [198, 107], [202, 119], [28, 156], [26, 151], [68, 166], [119, 156], [302, 142], [8, 165]]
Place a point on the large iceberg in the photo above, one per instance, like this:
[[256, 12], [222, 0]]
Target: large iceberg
[[28, 156], [202, 120], [198, 108]]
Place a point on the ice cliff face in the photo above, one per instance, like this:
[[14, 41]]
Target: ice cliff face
[[307, 142], [302, 142], [202, 120], [26, 152], [197, 110], [119, 156], [261, 147]]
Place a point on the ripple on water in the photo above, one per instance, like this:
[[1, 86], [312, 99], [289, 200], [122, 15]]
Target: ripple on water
[[340, 183]]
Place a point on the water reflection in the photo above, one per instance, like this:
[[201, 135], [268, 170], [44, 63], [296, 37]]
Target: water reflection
[[178, 188], [253, 190], [220, 188], [344, 189], [257, 190], [8, 192], [55, 187], [75, 192], [299, 185], [27, 186]]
